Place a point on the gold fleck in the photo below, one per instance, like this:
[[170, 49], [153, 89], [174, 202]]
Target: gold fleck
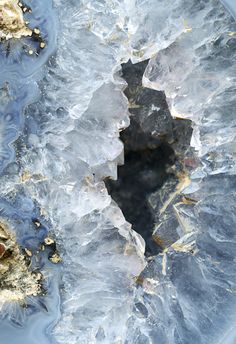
[[188, 200], [36, 31], [30, 52], [42, 45], [55, 258], [184, 181], [139, 280], [36, 223], [28, 252], [187, 28], [25, 176], [158, 241], [48, 241]]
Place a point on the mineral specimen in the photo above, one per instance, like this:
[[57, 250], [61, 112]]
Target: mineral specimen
[[16, 281], [62, 109], [12, 24]]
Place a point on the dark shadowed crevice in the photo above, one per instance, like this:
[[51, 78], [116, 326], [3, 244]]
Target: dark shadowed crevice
[[144, 172], [154, 146]]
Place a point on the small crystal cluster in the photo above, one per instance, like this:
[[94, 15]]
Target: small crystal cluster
[[17, 282], [12, 24]]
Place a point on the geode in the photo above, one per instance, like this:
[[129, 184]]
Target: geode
[[74, 75]]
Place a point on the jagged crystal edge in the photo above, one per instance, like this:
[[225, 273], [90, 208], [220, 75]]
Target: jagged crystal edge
[[141, 38], [76, 144], [188, 293]]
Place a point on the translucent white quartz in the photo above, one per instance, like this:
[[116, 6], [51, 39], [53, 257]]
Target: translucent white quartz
[[188, 292]]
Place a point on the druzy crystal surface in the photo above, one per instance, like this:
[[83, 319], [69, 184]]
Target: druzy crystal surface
[[72, 269]]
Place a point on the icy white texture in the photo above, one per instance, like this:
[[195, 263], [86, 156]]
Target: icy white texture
[[78, 122], [197, 73], [188, 292]]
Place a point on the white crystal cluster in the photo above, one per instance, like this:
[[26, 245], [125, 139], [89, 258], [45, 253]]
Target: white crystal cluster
[[187, 293]]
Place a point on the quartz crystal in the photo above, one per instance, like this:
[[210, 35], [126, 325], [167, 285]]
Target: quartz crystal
[[81, 273]]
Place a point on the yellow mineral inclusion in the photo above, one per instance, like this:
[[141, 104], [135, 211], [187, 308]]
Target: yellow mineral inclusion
[[12, 24], [184, 181], [16, 281], [184, 247], [187, 27], [55, 258]]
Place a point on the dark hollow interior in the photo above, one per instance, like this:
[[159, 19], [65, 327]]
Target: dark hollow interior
[[153, 143]]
